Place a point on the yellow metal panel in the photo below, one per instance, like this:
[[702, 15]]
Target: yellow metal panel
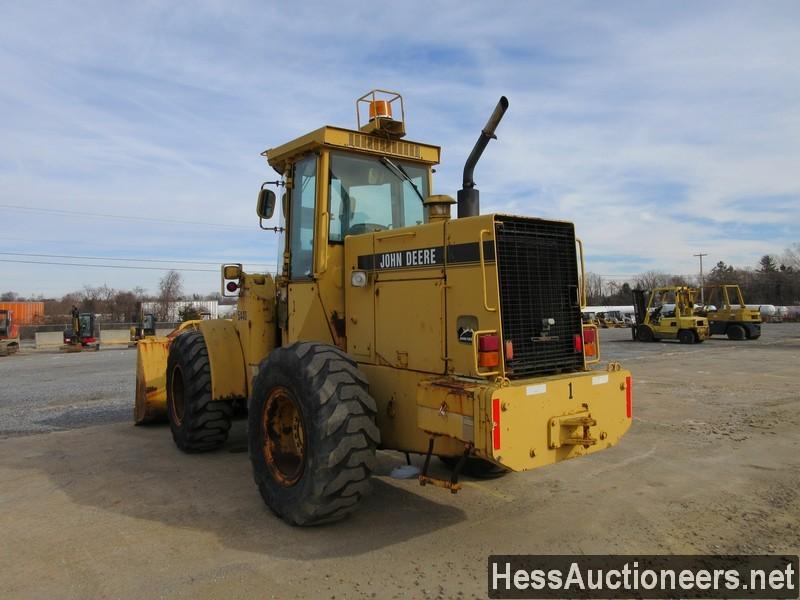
[[307, 320], [353, 141], [359, 301], [228, 379], [255, 320], [465, 287], [408, 324], [395, 393], [410, 253], [447, 407], [538, 418], [151, 380]]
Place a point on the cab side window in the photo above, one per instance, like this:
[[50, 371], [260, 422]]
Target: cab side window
[[301, 234]]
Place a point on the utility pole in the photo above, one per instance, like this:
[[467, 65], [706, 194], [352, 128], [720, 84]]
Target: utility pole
[[702, 281]]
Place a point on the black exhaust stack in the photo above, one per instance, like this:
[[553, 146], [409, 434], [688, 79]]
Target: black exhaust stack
[[468, 196]]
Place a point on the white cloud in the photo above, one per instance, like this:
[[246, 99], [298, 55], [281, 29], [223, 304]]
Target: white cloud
[[659, 129]]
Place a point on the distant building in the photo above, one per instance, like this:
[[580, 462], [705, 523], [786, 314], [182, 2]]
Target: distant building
[[209, 309]]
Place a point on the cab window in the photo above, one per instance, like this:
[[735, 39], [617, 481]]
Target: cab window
[[301, 234], [367, 195]]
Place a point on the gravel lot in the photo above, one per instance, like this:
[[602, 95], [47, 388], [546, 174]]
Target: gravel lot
[[710, 465], [49, 391]]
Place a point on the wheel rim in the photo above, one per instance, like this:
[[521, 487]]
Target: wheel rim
[[284, 437], [178, 402]]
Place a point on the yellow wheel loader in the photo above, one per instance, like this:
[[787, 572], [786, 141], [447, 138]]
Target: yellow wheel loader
[[389, 326], [667, 313], [727, 313]]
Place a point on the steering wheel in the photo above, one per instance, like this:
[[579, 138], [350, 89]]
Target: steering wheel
[[365, 228]]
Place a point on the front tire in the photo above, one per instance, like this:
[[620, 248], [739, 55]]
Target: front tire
[[644, 333], [198, 423], [311, 433]]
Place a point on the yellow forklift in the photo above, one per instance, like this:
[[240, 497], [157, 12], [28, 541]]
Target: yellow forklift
[[727, 313], [667, 313]]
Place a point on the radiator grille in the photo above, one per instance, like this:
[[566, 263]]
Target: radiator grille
[[538, 274]]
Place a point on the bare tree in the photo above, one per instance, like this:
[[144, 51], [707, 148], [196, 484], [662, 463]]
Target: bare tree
[[791, 257], [594, 288], [651, 279], [90, 299], [170, 290]]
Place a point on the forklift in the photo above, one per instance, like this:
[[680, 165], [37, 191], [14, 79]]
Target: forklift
[[668, 314], [79, 334], [9, 333], [727, 313]]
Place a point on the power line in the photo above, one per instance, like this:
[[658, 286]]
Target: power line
[[77, 213], [125, 259], [67, 264]]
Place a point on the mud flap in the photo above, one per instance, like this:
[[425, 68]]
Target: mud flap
[[151, 380]]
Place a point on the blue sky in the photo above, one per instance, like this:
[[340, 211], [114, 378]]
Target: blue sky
[[660, 129]]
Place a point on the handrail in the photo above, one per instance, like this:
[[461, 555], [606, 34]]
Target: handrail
[[483, 272], [583, 301], [475, 335], [396, 235]]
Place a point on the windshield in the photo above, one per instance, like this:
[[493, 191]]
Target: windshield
[[366, 195]]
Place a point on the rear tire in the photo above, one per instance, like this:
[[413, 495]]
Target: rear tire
[[644, 333], [686, 336], [197, 422], [311, 433], [736, 332]]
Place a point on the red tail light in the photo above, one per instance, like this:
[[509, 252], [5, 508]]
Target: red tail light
[[489, 343], [578, 342]]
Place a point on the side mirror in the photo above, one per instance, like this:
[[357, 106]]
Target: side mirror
[[265, 207]]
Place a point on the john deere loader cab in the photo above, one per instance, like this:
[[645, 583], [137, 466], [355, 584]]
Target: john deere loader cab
[[728, 314], [667, 313], [389, 325]]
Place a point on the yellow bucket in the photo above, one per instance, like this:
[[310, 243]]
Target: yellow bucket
[[151, 380]]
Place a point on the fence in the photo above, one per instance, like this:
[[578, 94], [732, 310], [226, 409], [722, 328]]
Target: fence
[[114, 331]]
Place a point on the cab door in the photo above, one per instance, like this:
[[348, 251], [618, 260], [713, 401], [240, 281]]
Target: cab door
[[306, 318]]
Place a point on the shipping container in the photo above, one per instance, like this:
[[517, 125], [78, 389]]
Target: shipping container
[[25, 313]]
